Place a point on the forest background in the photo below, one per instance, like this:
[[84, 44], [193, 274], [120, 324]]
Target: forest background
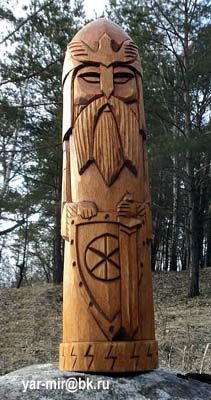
[[174, 39]]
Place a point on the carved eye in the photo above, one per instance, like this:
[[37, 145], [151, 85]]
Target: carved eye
[[91, 77], [122, 77]]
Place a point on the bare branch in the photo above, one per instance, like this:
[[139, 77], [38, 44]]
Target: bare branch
[[8, 230], [25, 21]]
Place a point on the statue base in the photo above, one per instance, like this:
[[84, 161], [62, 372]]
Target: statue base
[[109, 356]]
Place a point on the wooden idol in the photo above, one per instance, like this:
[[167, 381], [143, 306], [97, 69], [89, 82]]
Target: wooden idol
[[108, 317]]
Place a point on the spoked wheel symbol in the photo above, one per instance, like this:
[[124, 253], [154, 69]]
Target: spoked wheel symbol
[[102, 257]]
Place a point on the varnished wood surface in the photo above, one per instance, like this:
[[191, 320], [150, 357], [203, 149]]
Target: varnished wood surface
[[106, 214], [109, 356]]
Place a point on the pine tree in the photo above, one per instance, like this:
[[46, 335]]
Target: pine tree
[[32, 72], [172, 40]]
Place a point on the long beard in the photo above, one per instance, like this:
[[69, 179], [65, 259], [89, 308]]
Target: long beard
[[107, 133], [107, 150]]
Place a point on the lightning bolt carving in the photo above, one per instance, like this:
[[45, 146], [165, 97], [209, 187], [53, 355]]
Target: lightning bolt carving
[[110, 357], [73, 355], [135, 356], [89, 355]]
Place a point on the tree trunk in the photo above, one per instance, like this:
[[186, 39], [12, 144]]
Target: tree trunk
[[208, 250], [156, 241], [193, 196], [194, 243], [175, 221], [58, 257], [23, 266], [166, 262]]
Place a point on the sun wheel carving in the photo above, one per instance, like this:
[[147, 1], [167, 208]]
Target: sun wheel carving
[[102, 257]]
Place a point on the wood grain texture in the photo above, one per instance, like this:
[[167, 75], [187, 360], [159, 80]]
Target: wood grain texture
[[109, 356], [105, 51], [108, 317]]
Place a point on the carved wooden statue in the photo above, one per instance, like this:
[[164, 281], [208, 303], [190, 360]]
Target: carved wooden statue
[[108, 317]]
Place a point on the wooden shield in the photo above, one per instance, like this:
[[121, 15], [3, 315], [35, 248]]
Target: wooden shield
[[107, 267]]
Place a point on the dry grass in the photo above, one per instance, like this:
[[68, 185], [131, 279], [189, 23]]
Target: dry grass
[[183, 324], [30, 324]]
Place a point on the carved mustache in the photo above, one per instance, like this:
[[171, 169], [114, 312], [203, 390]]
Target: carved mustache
[[101, 104]]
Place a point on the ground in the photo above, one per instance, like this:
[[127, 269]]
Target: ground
[[31, 321]]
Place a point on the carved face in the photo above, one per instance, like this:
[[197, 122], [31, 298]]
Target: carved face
[[106, 88]]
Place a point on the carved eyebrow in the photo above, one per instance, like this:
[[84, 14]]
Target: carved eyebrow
[[123, 69]]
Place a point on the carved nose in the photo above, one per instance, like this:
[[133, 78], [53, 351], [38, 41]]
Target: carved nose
[[106, 80]]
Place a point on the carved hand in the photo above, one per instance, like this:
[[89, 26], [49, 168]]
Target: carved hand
[[86, 209], [130, 208], [127, 209]]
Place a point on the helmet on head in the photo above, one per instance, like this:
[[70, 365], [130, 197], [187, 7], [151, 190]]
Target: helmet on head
[[101, 42]]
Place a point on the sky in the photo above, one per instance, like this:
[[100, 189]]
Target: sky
[[93, 7]]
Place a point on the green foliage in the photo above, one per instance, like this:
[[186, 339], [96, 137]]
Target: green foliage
[[174, 41], [32, 106]]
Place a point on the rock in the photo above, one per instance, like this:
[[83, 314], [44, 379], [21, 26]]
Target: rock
[[45, 382]]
